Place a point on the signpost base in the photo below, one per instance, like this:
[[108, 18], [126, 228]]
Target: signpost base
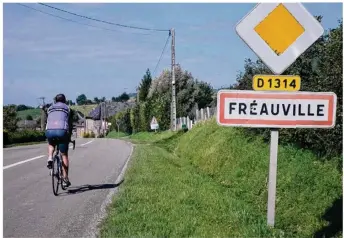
[[272, 177]]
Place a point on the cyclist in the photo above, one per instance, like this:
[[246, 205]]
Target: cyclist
[[59, 125]]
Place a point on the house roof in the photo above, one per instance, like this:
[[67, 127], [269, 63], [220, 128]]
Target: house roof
[[111, 108]]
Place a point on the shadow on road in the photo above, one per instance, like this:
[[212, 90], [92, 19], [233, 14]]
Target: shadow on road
[[87, 187]]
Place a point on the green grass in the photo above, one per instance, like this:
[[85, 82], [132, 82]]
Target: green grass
[[305, 186], [163, 196], [115, 134], [150, 137], [212, 182], [35, 113], [84, 109]]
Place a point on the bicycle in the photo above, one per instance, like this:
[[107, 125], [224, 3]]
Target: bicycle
[[56, 173]]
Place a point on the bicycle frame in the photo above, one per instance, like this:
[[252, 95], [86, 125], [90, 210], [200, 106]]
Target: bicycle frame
[[58, 174]]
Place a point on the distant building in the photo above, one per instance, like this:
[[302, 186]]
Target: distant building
[[96, 122]]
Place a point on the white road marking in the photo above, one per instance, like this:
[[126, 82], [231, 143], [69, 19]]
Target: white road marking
[[37, 157], [22, 162], [87, 143]]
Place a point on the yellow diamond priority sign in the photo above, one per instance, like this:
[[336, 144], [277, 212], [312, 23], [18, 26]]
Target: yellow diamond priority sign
[[279, 33]]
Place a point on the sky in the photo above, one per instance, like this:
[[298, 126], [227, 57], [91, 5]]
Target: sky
[[45, 55]]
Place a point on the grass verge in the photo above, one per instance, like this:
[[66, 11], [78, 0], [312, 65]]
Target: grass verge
[[212, 182], [24, 143], [150, 137], [115, 134], [163, 196]]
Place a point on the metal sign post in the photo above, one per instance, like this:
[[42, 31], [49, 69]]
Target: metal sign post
[[272, 176]]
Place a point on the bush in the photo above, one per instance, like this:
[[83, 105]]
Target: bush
[[89, 135], [159, 107], [29, 118], [23, 136], [135, 118], [101, 136], [86, 135], [92, 135], [144, 117], [6, 138], [123, 119]]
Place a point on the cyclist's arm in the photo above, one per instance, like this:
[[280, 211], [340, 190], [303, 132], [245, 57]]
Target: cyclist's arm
[[70, 123]]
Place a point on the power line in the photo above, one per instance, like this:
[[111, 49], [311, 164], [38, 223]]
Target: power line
[[106, 22], [162, 53], [77, 22]]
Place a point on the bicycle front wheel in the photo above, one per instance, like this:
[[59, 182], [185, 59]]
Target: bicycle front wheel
[[55, 176]]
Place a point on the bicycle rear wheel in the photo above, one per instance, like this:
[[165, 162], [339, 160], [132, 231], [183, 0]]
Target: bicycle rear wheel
[[55, 175], [61, 173], [61, 178]]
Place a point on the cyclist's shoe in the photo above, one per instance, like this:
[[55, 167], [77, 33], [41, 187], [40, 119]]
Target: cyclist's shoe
[[66, 182], [50, 164]]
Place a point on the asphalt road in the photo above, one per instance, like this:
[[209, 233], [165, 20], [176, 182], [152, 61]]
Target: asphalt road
[[30, 207]]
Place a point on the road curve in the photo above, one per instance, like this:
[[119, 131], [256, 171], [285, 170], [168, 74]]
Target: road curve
[[29, 205]]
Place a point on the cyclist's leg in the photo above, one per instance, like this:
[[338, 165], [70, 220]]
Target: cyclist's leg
[[50, 134], [64, 146]]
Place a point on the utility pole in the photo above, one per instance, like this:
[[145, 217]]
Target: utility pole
[[102, 116], [173, 106], [105, 116], [137, 95], [42, 113]]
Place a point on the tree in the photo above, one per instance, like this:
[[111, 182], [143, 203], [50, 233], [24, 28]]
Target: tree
[[10, 118], [70, 103], [81, 99], [22, 107], [189, 91], [124, 97], [144, 86], [204, 97], [96, 100], [29, 118], [102, 99], [123, 120]]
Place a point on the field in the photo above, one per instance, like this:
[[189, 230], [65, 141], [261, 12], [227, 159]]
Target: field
[[35, 113]]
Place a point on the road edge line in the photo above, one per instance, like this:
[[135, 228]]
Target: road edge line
[[94, 229]]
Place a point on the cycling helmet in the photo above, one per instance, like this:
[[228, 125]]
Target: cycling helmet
[[60, 98]]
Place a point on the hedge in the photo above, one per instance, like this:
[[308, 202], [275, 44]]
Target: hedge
[[23, 136]]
